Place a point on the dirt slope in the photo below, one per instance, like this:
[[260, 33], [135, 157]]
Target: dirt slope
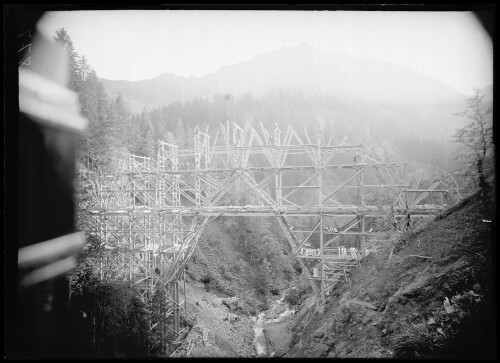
[[227, 334], [222, 269], [224, 293], [225, 268], [433, 298]]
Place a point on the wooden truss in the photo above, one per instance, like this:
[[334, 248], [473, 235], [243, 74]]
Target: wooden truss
[[335, 202]]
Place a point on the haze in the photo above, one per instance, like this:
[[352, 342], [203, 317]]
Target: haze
[[134, 45]]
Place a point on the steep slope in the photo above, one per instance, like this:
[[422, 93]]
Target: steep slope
[[221, 268], [226, 287], [226, 334], [221, 263], [432, 296]]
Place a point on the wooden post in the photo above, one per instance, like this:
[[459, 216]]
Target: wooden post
[[362, 190], [321, 226], [185, 294], [363, 236], [176, 307]]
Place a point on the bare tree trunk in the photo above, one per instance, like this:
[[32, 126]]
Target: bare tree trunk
[[480, 171]]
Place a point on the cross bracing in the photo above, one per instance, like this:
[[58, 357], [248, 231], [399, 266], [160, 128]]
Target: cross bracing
[[335, 202]]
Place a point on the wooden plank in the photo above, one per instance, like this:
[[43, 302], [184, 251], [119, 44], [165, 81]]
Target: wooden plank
[[307, 237]]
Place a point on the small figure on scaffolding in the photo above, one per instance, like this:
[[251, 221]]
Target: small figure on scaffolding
[[408, 222], [356, 157]]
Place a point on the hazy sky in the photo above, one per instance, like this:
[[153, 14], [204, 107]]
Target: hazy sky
[[141, 44]]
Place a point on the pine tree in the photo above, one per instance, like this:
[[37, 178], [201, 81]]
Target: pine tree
[[133, 135], [136, 337], [121, 109], [180, 134], [62, 38], [149, 144], [158, 321], [169, 137], [112, 117], [83, 68], [88, 99], [75, 83], [127, 127]]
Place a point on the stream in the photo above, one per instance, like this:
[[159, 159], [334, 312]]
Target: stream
[[278, 311]]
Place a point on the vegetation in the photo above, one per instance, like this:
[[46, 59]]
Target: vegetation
[[240, 257], [107, 320], [110, 128], [476, 139]]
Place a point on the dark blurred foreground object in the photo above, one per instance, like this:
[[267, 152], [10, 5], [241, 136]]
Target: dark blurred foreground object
[[48, 245]]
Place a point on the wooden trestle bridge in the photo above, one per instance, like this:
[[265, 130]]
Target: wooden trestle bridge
[[335, 203]]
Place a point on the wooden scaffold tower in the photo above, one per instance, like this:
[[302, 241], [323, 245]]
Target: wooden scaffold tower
[[335, 203]]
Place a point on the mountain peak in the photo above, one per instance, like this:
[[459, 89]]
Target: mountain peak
[[167, 75], [305, 45]]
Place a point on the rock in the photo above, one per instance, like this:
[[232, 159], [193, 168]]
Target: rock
[[449, 308], [319, 333], [340, 349], [366, 319], [231, 318], [363, 303], [473, 293], [341, 345], [319, 350]]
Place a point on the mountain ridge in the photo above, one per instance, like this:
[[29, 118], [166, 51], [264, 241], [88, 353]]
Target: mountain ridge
[[302, 68]]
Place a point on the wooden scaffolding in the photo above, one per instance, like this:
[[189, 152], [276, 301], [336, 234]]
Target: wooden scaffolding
[[336, 203]]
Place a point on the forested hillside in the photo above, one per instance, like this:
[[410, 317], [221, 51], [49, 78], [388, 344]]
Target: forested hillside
[[400, 128], [109, 121]]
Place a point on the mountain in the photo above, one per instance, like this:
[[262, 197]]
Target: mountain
[[302, 68]]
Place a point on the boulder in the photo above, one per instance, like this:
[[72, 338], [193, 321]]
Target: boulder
[[319, 350]]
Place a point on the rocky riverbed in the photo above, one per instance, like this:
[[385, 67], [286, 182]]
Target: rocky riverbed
[[219, 332], [279, 311], [273, 328]]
